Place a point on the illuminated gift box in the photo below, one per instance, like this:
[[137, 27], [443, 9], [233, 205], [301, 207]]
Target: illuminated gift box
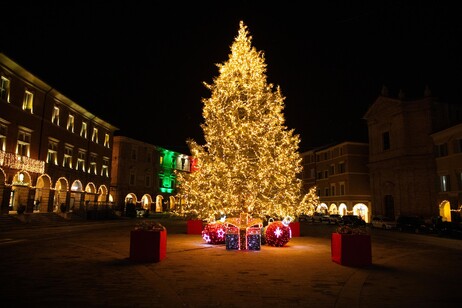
[[148, 246], [351, 249], [237, 232], [253, 238], [195, 226], [232, 237]]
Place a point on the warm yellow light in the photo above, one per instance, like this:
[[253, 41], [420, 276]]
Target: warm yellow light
[[250, 162], [20, 162]]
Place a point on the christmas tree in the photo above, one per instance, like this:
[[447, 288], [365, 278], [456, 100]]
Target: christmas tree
[[309, 203], [250, 161]]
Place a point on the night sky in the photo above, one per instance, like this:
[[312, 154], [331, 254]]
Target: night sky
[[141, 67]]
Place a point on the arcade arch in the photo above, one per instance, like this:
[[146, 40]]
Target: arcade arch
[[445, 210], [333, 209], [342, 209], [322, 208], [61, 188], [362, 211], [146, 202], [43, 202]]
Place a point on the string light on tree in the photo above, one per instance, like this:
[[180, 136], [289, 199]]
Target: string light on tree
[[309, 203], [250, 161]]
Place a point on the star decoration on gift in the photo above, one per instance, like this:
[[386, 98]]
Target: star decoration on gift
[[278, 232], [221, 233], [206, 238]]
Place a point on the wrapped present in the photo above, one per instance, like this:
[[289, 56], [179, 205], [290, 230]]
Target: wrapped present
[[253, 238], [232, 238], [243, 229]]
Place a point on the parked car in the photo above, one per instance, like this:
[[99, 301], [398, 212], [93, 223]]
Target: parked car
[[411, 223], [352, 220], [449, 229], [317, 217], [383, 222], [335, 219], [305, 217], [325, 219]]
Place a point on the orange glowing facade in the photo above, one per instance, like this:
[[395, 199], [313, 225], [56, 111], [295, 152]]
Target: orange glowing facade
[[55, 156]]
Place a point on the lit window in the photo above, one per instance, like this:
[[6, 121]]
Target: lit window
[[444, 181], [55, 116], [3, 132], [81, 161], [105, 167], [83, 131], [23, 146], [28, 100], [94, 136], [70, 123], [106, 140], [67, 160], [5, 89], [93, 164], [52, 155], [182, 162]]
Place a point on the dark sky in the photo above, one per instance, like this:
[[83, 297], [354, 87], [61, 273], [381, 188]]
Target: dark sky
[[141, 67]]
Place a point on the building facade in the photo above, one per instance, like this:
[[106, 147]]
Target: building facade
[[144, 175], [402, 161], [55, 156], [340, 173], [448, 150]]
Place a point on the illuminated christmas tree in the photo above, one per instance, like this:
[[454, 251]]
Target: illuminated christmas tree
[[250, 161], [309, 203]]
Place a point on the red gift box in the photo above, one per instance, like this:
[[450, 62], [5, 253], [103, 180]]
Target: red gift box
[[195, 226], [295, 228], [148, 246], [351, 249]]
